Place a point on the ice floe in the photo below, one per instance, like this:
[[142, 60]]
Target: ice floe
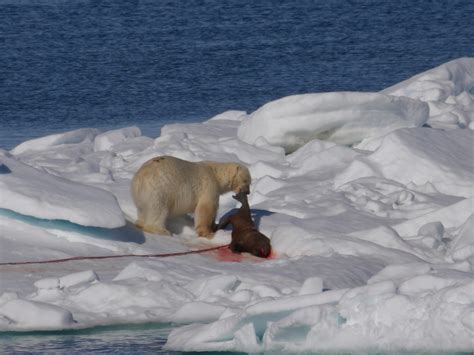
[[340, 117], [37, 193]]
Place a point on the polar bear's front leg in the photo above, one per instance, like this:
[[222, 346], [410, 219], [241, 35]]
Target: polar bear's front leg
[[204, 218]]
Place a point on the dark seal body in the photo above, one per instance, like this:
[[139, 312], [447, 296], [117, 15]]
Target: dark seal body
[[245, 236]]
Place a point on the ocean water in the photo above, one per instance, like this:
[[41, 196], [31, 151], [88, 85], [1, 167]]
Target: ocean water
[[118, 339], [67, 64]]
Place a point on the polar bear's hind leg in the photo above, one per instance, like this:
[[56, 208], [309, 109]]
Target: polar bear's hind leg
[[155, 222], [154, 211]]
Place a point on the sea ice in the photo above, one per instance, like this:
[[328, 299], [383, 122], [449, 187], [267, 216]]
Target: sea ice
[[37, 315], [372, 244], [107, 140], [342, 117], [419, 156], [56, 140], [424, 283], [36, 193], [197, 312], [311, 285], [437, 84], [448, 91], [463, 246], [400, 272]]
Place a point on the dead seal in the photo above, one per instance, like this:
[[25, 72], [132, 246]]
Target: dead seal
[[245, 236]]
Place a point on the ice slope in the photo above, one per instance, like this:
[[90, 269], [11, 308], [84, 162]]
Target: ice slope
[[37, 193], [449, 79], [373, 243], [450, 171], [340, 117], [447, 89]]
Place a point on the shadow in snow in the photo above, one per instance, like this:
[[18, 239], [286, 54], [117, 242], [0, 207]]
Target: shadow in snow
[[177, 225], [4, 169], [126, 234], [257, 215]]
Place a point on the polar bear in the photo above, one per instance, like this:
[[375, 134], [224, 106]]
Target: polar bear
[[166, 187]]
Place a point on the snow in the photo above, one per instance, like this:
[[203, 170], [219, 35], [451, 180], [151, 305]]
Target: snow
[[36, 314], [37, 193], [438, 84], [449, 171], [340, 117], [448, 91], [369, 211], [56, 140], [463, 246], [311, 285], [107, 140]]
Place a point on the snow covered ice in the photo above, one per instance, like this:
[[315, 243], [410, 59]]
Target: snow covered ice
[[367, 199], [341, 117], [32, 192]]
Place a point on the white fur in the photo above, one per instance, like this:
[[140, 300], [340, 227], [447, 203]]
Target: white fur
[[166, 187]]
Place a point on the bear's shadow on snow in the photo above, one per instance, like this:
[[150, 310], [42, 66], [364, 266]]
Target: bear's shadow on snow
[[257, 215], [126, 234], [4, 169], [185, 224], [178, 225]]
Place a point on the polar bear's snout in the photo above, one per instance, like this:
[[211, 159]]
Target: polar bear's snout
[[244, 189]]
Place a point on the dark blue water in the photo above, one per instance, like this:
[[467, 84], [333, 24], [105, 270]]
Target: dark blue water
[[121, 339], [109, 64]]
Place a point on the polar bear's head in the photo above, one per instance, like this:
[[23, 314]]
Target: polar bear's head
[[241, 179], [231, 176]]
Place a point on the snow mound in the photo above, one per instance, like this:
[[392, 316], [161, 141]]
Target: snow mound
[[24, 314], [336, 320], [230, 115], [318, 155], [70, 280], [463, 245], [107, 140], [448, 90], [43, 143], [437, 84], [33, 192], [420, 156], [340, 117]]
